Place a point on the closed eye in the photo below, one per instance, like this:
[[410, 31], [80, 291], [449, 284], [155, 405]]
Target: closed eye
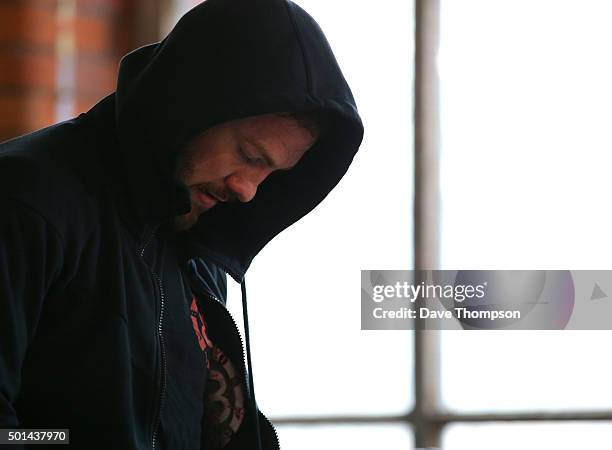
[[248, 159]]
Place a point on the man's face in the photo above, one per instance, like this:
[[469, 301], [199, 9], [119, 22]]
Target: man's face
[[228, 161]]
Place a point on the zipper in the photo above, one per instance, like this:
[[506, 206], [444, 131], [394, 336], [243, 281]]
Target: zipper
[[160, 338], [162, 347], [244, 365], [273, 430]]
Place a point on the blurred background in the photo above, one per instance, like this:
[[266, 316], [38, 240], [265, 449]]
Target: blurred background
[[488, 146]]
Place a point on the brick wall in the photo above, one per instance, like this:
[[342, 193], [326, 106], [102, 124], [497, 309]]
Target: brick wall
[[59, 57]]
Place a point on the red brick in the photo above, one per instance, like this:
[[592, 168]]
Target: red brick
[[103, 31], [95, 34], [100, 7], [25, 112], [27, 24], [96, 76], [26, 69]]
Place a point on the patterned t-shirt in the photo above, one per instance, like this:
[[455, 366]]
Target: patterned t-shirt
[[224, 398]]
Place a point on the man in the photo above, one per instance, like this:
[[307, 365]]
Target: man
[[118, 228]]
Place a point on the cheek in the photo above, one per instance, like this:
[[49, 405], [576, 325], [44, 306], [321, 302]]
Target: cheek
[[212, 170]]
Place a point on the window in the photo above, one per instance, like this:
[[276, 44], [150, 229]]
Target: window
[[525, 114]]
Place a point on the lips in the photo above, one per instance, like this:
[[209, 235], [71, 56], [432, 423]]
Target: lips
[[205, 200]]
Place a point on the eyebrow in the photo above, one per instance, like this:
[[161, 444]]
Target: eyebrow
[[265, 154]]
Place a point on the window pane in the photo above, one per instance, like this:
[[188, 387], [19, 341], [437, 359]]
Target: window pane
[[355, 437], [526, 108], [526, 134], [560, 436], [521, 370], [310, 356]]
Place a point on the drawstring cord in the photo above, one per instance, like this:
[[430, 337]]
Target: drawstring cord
[[245, 318]]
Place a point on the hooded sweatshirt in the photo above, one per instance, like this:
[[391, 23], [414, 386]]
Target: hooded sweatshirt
[[104, 310]]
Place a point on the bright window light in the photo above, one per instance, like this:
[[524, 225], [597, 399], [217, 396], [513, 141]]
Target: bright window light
[[355, 437], [526, 104], [560, 436]]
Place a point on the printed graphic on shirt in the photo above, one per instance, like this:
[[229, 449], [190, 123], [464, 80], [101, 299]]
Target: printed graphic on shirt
[[199, 326], [224, 398], [224, 404]]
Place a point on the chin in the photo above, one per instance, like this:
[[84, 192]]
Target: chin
[[186, 221]]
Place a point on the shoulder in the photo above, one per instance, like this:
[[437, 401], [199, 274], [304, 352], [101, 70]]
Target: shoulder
[[47, 172]]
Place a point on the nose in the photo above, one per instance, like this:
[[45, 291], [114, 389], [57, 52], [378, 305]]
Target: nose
[[242, 187]]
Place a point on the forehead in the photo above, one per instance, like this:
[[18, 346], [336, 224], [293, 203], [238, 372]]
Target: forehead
[[274, 129]]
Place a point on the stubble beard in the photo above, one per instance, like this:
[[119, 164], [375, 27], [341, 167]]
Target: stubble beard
[[187, 221]]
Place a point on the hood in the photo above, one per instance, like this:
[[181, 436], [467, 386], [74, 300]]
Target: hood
[[224, 60]]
